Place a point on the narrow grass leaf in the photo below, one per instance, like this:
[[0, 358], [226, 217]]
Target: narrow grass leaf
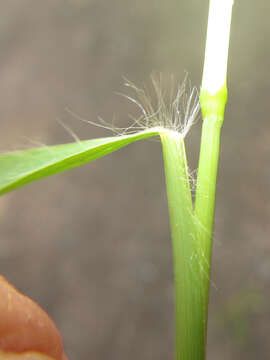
[[22, 167]]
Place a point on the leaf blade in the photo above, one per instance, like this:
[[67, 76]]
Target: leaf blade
[[22, 167]]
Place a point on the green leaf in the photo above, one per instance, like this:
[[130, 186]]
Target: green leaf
[[22, 167]]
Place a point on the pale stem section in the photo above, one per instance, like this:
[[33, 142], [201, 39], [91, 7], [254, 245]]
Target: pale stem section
[[217, 45]]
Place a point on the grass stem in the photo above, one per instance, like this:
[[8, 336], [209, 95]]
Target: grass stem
[[192, 228], [189, 322]]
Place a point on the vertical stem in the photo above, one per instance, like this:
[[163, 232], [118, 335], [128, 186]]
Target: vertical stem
[[189, 314], [192, 228], [213, 100], [217, 45], [205, 201]]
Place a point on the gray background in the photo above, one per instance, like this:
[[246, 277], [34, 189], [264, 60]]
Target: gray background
[[92, 246]]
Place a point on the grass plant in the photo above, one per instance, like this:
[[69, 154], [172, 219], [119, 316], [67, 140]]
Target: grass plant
[[191, 224]]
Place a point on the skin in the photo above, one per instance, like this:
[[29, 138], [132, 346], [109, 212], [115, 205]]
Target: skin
[[26, 331], [29, 355]]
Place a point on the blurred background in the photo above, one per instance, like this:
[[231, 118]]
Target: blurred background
[[92, 245]]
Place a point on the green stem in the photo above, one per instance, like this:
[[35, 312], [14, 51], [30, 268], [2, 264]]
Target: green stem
[[189, 314], [213, 113], [213, 99], [192, 228]]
